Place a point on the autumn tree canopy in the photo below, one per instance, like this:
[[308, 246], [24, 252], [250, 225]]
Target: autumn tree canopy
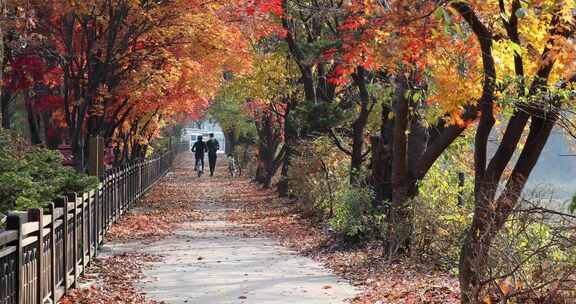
[[371, 97], [436, 70], [118, 69]]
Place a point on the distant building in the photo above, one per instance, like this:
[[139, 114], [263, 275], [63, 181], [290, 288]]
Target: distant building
[[203, 128]]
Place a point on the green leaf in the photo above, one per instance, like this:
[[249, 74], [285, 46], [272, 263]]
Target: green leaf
[[516, 48]]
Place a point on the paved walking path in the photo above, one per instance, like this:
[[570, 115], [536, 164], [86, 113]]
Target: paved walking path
[[215, 261]]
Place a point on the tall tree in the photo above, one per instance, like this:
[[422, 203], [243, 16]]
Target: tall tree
[[537, 49], [120, 59]]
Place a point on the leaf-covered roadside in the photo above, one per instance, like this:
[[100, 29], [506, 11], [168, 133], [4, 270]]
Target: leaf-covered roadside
[[115, 277], [156, 216], [400, 281]]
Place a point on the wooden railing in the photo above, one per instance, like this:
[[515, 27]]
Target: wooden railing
[[44, 251]]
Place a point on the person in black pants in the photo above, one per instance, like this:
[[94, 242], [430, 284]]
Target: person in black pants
[[199, 148], [213, 146]]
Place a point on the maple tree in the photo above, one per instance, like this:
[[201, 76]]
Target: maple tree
[[531, 41], [268, 96], [393, 84], [120, 61], [309, 30], [451, 64], [368, 46]]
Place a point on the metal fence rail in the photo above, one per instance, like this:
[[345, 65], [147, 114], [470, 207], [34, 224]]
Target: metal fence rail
[[44, 251]]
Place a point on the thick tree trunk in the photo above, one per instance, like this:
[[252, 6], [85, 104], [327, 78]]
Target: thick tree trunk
[[230, 142], [490, 214], [268, 180], [269, 141], [284, 183], [359, 126], [271, 163], [381, 178], [5, 108], [357, 150], [260, 175], [78, 154], [400, 215], [52, 140], [33, 126], [290, 139]]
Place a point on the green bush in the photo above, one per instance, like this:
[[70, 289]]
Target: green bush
[[31, 177], [354, 215], [319, 178], [443, 209], [314, 176], [439, 218]]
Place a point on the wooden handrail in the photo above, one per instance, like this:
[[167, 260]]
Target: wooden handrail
[[67, 234]]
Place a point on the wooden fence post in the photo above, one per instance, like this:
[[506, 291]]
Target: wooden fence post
[[73, 198], [53, 251], [87, 199], [14, 222], [98, 214], [37, 215], [116, 192], [65, 243]]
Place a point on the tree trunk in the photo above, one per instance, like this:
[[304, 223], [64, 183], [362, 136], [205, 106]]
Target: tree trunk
[[381, 178], [284, 183], [380, 173], [269, 140], [357, 151], [490, 214], [52, 140], [230, 142], [33, 126], [290, 139], [400, 218], [260, 176], [78, 154], [5, 108], [267, 183], [359, 126], [270, 165]]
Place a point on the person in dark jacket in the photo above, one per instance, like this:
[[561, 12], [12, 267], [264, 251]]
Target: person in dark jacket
[[213, 146], [199, 148]]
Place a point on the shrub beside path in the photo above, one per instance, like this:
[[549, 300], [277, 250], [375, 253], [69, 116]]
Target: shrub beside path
[[190, 251]]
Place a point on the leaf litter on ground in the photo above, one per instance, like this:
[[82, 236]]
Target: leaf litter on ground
[[400, 281], [113, 281], [174, 201]]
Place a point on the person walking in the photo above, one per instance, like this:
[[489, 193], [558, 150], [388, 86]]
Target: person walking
[[213, 146], [199, 148]]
